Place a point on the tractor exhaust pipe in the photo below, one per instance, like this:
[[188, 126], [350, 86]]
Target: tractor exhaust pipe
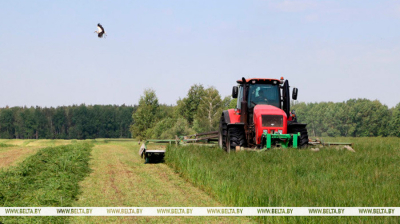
[[244, 106]]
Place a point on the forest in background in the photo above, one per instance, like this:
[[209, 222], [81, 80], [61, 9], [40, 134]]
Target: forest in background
[[199, 111], [66, 122], [352, 118]]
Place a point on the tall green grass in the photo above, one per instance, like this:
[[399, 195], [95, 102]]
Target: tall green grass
[[297, 178], [48, 178]]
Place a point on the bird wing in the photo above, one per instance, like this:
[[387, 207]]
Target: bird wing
[[100, 28]]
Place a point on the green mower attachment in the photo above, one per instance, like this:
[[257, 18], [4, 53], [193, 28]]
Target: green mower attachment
[[280, 140]]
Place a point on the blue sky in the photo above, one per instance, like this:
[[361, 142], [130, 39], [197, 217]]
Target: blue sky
[[330, 50]]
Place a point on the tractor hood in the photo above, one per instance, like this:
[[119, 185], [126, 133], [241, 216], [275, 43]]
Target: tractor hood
[[269, 118]]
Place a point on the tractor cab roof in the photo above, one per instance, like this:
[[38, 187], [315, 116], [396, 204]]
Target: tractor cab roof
[[260, 80]]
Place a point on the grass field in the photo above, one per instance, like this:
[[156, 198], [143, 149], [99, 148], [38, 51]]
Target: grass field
[[109, 172], [118, 177], [294, 178], [121, 179]]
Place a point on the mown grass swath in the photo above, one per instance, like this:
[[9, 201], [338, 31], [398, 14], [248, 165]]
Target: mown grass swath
[[5, 145], [48, 178], [296, 178]]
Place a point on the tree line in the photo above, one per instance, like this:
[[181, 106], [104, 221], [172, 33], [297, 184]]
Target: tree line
[[66, 122], [199, 111], [352, 118]]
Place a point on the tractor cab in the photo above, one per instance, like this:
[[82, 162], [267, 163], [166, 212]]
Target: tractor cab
[[264, 94], [260, 92]]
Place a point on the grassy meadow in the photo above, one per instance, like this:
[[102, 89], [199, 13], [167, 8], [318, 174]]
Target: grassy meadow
[[96, 173], [294, 178], [110, 173]]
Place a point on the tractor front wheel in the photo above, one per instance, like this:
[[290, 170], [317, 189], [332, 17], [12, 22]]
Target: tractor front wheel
[[235, 137]]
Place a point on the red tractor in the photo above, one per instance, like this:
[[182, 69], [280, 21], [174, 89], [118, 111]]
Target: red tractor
[[262, 118]]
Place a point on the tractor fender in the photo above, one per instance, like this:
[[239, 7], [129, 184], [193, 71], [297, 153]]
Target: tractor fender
[[235, 125], [294, 127], [225, 117], [231, 116]]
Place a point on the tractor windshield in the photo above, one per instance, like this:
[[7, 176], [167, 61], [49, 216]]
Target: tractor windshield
[[266, 94]]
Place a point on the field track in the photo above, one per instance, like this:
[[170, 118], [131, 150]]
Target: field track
[[121, 179]]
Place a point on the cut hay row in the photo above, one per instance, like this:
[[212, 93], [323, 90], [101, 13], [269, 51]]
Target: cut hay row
[[10, 156], [48, 178], [4, 145], [35, 142]]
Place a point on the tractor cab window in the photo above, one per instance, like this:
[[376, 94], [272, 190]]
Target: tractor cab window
[[266, 94], [240, 98]]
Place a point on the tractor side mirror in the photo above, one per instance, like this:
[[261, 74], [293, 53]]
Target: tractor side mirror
[[294, 94], [235, 92]]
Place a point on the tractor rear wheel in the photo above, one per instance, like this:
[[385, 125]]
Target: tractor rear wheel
[[302, 141], [222, 134], [236, 137], [295, 128]]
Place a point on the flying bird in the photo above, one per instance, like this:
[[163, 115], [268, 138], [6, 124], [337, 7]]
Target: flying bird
[[100, 31]]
